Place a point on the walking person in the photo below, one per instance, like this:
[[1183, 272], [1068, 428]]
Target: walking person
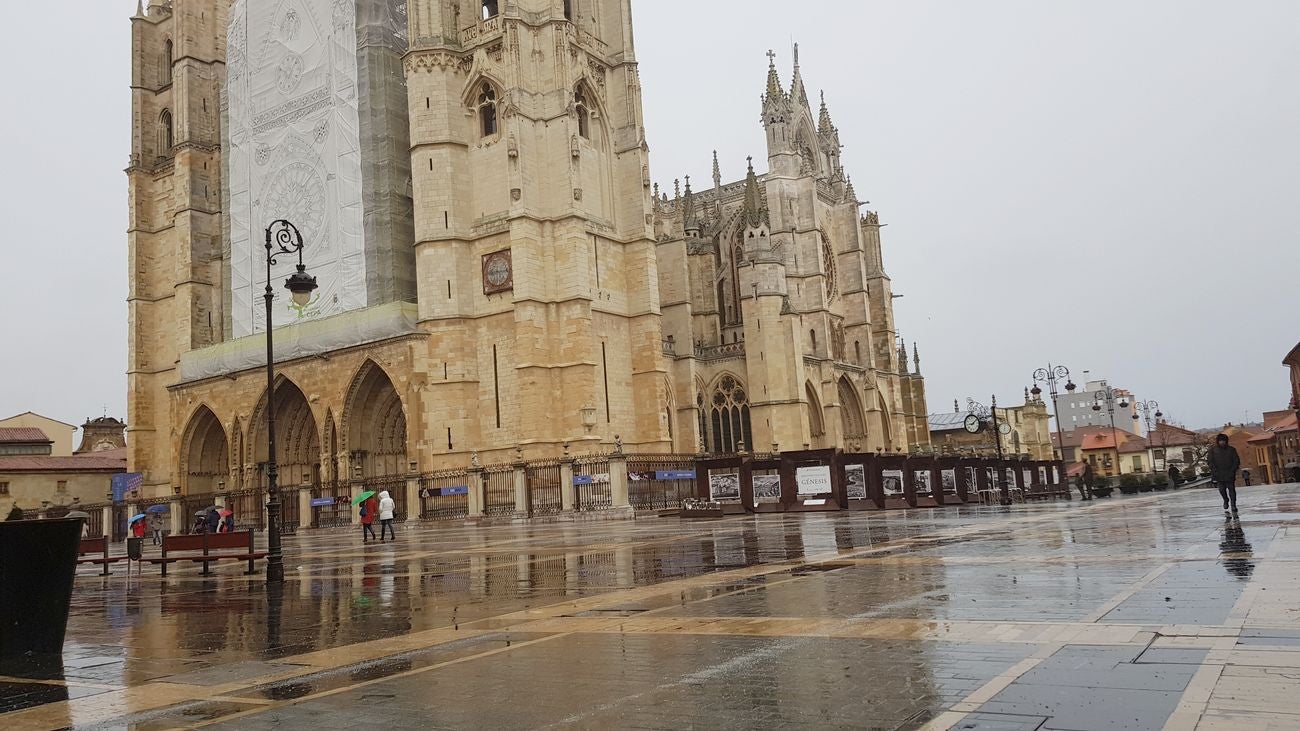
[[369, 511], [1245, 477], [155, 528], [1224, 463], [15, 513], [386, 508], [1175, 477]]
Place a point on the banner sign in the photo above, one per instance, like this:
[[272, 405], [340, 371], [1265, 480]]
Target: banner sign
[[675, 474], [125, 483], [320, 502], [457, 490]]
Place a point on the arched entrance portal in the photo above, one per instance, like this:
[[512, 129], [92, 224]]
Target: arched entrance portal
[[205, 454], [297, 443], [374, 424]]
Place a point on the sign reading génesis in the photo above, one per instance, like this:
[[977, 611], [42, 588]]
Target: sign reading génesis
[[813, 480]]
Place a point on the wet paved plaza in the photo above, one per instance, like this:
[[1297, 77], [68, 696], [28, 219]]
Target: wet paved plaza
[[1142, 612]]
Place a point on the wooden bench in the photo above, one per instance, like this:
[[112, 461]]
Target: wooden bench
[[241, 542], [100, 546]]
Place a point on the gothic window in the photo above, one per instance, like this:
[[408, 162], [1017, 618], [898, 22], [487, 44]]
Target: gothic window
[[487, 109], [734, 314], [728, 419], [167, 63], [828, 262], [489, 9], [166, 135], [583, 110]]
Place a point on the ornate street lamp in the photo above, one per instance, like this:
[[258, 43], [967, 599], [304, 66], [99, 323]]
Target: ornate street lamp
[[1108, 395], [1051, 375], [979, 418], [282, 238], [1148, 408]]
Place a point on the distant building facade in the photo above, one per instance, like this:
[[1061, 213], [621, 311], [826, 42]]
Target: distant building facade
[[1076, 410], [33, 476], [59, 433], [1030, 432]]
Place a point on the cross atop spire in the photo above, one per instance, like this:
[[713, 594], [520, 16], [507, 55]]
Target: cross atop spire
[[771, 57]]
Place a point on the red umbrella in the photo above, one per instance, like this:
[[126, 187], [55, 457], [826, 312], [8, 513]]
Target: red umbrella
[[223, 512]]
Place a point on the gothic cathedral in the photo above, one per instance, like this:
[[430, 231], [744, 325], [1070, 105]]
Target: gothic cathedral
[[497, 279]]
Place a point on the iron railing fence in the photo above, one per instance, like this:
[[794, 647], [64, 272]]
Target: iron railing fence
[[591, 483], [660, 481], [499, 490], [544, 489], [444, 495]]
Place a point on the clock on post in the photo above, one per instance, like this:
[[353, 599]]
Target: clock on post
[[498, 272]]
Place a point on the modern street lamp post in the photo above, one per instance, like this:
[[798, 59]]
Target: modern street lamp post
[[1051, 375], [1149, 409], [282, 238], [1109, 396]]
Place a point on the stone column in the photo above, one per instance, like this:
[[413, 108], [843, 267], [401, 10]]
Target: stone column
[[568, 494], [106, 519], [475, 498], [177, 521], [618, 485], [521, 491], [306, 516], [357, 486], [413, 502]]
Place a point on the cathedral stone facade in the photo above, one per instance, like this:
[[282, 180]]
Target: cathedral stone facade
[[498, 279]]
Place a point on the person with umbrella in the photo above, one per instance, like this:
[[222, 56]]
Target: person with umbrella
[[138, 525], [200, 522], [227, 520], [155, 521], [213, 519], [369, 510]]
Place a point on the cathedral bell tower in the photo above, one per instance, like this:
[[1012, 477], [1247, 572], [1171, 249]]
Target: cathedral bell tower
[[536, 268], [174, 196]]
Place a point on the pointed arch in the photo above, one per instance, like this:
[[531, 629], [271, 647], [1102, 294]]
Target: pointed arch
[[205, 453], [582, 108], [727, 424], [816, 425], [853, 421], [168, 58], [374, 423], [886, 420], [297, 439], [166, 133], [484, 97]]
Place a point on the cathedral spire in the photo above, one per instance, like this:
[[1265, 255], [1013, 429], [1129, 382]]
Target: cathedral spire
[[916, 358], [689, 220], [825, 126], [774, 90], [717, 171], [756, 213], [797, 91], [902, 355]]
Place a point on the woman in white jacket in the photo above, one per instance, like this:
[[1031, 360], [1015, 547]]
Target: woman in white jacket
[[386, 508]]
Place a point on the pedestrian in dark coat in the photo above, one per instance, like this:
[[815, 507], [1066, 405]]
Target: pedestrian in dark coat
[[1224, 463], [1175, 476], [214, 521], [15, 513]]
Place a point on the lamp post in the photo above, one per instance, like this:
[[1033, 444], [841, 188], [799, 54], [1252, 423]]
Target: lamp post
[[282, 238], [1148, 408], [1051, 375], [989, 419], [1108, 395]]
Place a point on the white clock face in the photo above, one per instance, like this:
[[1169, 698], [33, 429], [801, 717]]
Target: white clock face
[[1004, 429], [972, 423]]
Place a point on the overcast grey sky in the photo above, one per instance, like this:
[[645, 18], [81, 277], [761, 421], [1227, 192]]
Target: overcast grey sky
[[1108, 185]]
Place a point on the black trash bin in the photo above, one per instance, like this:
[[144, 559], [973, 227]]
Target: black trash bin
[[38, 563]]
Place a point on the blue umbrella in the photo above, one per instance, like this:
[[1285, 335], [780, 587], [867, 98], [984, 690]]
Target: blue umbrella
[[156, 509], [135, 518]]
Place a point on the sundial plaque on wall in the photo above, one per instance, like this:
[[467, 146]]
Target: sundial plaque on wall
[[498, 273]]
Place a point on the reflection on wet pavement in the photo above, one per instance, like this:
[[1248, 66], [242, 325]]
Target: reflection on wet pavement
[[1121, 613]]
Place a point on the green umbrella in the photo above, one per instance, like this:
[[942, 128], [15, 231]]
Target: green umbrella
[[363, 496]]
